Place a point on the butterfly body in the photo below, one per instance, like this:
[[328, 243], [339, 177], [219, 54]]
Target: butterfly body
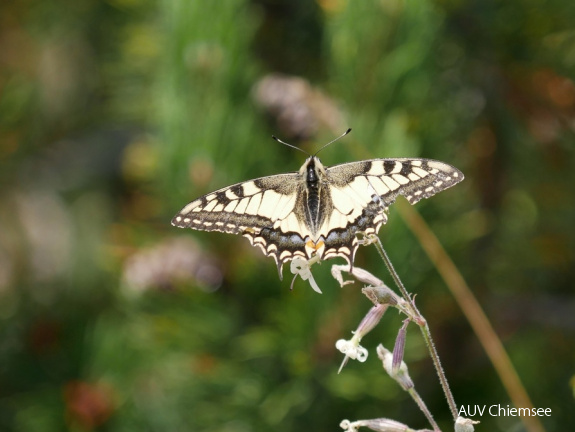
[[318, 210]]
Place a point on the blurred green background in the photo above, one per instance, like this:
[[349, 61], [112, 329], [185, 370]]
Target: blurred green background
[[114, 114]]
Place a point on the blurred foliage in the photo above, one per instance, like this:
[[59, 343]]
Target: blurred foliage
[[114, 114]]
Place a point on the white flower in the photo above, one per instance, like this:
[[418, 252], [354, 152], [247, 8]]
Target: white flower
[[302, 267], [347, 426], [352, 350]]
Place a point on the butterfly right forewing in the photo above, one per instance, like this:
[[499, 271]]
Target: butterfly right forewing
[[413, 178], [362, 191]]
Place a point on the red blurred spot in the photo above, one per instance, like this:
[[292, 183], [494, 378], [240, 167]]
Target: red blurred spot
[[88, 405]]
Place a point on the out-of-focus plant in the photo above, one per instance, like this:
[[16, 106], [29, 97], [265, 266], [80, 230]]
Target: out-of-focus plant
[[114, 113]]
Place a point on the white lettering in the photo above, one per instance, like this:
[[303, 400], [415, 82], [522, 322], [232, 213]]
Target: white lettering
[[525, 412], [471, 410], [503, 411]]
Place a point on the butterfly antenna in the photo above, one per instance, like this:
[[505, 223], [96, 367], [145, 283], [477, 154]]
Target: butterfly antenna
[[289, 145], [333, 140]]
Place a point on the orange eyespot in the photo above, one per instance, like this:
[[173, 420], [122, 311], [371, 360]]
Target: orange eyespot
[[315, 246]]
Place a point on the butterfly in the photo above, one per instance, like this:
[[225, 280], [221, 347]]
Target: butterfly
[[317, 211]]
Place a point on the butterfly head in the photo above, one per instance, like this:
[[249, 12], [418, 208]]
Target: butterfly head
[[312, 171]]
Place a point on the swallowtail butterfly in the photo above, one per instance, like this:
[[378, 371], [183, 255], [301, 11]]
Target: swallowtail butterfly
[[318, 210]]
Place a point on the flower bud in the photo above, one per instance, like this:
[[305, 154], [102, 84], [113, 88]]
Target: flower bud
[[401, 376], [378, 425], [463, 424], [399, 347], [381, 295]]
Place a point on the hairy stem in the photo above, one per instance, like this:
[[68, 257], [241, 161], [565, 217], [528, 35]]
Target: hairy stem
[[420, 320], [473, 312]]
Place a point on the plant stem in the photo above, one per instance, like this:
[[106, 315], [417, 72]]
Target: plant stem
[[415, 396], [473, 312], [420, 320]]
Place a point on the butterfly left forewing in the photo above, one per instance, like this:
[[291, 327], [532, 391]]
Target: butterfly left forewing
[[250, 205], [263, 210]]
